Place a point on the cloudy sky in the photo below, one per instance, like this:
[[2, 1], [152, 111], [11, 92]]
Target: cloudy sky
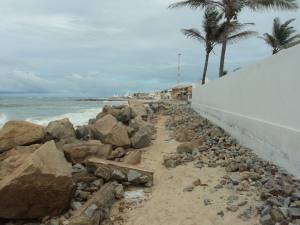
[[100, 48]]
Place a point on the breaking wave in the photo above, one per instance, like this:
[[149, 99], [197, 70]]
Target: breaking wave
[[79, 118]]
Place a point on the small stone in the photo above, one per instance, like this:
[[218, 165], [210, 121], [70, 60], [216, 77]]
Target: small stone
[[75, 205], [84, 195], [133, 175], [207, 202], [221, 213], [78, 168], [197, 182], [294, 213], [232, 198], [232, 167], [243, 203], [118, 175], [266, 220], [119, 191], [98, 183], [277, 215], [232, 208], [188, 189], [91, 210], [235, 179]]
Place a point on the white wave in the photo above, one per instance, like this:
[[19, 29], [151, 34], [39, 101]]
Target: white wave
[[79, 118], [3, 119]]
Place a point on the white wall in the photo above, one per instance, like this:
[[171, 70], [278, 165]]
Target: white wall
[[259, 106]]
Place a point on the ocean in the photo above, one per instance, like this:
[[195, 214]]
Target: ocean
[[42, 110]]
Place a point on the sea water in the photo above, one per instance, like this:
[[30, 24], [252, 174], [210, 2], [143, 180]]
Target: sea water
[[42, 110]]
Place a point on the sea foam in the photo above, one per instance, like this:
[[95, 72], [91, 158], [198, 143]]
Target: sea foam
[[3, 119], [79, 118]]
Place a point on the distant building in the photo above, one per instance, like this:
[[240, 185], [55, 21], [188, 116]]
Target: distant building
[[182, 92], [166, 94]]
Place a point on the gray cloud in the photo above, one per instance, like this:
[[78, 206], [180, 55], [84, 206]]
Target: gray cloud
[[97, 48]]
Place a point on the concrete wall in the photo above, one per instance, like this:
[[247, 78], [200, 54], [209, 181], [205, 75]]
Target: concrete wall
[[259, 106]]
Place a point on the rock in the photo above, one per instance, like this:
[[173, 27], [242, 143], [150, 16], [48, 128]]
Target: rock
[[277, 215], [186, 147], [119, 191], [103, 126], [79, 168], [97, 209], [197, 182], [133, 176], [17, 133], [118, 136], [117, 153], [138, 109], [207, 202], [232, 167], [133, 157], [105, 169], [109, 131], [41, 179], [108, 110], [141, 139], [138, 123], [294, 213], [124, 115], [235, 179], [184, 135], [232, 208], [188, 188], [84, 133], [118, 176], [79, 152], [266, 220], [61, 130]]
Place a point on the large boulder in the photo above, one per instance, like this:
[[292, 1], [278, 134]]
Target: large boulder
[[139, 124], [108, 110], [79, 152], [61, 130], [103, 126], [18, 133], [84, 132], [138, 109], [124, 115], [35, 183], [141, 139], [109, 131]]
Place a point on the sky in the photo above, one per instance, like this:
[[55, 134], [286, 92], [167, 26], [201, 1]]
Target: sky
[[101, 48]]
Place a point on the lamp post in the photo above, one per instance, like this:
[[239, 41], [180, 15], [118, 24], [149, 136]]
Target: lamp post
[[179, 69]]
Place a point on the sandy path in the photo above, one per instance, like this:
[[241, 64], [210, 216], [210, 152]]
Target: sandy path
[[168, 204]]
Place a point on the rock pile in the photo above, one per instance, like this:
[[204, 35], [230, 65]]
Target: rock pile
[[205, 144], [53, 174]]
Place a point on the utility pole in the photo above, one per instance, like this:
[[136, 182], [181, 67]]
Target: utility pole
[[179, 69]]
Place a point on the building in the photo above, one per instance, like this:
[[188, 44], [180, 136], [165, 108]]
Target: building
[[182, 92]]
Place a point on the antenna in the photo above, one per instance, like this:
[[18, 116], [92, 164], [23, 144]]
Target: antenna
[[179, 69]]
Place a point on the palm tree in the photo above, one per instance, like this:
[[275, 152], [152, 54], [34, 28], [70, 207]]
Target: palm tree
[[231, 9], [230, 33], [210, 27], [283, 36]]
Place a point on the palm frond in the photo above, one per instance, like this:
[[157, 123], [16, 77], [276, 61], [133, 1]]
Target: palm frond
[[191, 3], [273, 4], [241, 36], [292, 44], [194, 34]]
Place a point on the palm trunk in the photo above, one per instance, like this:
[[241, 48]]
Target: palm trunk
[[222, 60], [205, 68], [223, 53]]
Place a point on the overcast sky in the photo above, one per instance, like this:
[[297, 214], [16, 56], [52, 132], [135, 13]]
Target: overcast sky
[[100, 48]]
